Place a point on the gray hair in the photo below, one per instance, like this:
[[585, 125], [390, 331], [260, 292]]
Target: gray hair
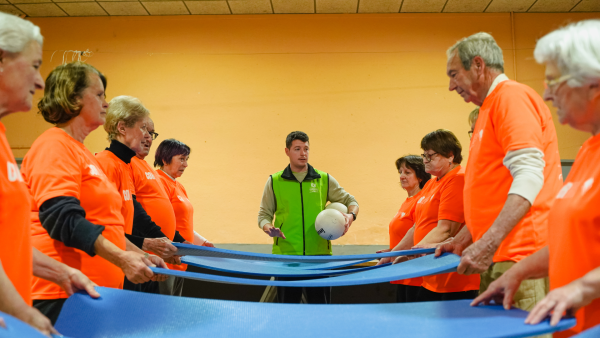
[[575, 49], [16, 33], [479, 44]]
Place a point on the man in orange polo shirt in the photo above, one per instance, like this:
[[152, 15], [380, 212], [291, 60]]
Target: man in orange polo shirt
[[513, 171]]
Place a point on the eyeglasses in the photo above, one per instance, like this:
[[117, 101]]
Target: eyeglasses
[[153, 135], [549, 84], [470, 132], [428, 157]]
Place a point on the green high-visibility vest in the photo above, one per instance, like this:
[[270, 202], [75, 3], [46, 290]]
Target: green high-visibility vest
[[297, 207]]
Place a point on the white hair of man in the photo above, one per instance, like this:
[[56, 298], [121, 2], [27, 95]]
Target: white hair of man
[[479, 44], [575, 49], [16, 33]]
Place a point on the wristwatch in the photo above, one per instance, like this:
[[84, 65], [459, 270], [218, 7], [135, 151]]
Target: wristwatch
[[353, 215]]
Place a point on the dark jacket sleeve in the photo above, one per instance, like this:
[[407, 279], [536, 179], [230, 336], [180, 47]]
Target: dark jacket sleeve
[[137, 241], [143, 226], [178, 238], [64, 219]]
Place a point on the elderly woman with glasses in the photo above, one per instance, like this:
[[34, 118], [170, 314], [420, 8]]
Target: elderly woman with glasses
[[20, 62], [572, 257], [439, 215], [413, 178], [171, 158], [127, 128]]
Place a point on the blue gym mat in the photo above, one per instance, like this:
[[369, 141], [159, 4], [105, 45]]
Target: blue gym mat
[[216, 261], [418, 267], [18, 329], [119, 313], [259, 268], [195, 250], [589, 333]]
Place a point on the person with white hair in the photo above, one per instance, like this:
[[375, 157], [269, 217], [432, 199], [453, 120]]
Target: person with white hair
[[572, 257], [20, 61], [513, 172]]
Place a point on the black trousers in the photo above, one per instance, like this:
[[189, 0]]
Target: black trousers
[[148, 287], [407, 293], [50, 307], [318, 295], [430, 296]]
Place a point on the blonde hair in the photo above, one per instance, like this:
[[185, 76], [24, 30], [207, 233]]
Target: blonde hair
[[64, 88], [473, 116], [124, 108]]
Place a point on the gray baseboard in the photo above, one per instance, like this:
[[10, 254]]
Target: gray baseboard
[[337, 249]]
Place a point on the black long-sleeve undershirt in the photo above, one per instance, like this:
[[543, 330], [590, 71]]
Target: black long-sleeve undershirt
[[64, 219]]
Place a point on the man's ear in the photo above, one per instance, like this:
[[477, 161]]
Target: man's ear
[[287, 151]]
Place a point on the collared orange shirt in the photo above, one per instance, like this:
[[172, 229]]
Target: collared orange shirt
[[15, 208], [119, 173], [184, 211], [512, 117], [574, 230], [400, 224], [443, 200], [58, 165]]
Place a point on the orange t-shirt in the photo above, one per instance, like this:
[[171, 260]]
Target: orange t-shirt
[[443, 199], [152, 196], [512, 117], [15, 207], [184, 211], [400, 224], [119, 173], [574, 230], [58, 165]]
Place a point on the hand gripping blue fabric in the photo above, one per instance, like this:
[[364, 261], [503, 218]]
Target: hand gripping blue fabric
[[18, 329], [120, 314], [259, 268], [195, 250], [419, 267], [589, 333]]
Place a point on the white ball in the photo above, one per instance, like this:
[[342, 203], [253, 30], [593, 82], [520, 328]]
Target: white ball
[[338, 206], [330, 224]]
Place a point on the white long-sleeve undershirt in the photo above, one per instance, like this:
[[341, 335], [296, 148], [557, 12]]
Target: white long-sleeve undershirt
[[527, 169]]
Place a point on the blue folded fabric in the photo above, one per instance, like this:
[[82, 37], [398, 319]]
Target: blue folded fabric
[[119, 314], [17, 329], [261, 268], [589, 333], [419, 267], [195, 250]]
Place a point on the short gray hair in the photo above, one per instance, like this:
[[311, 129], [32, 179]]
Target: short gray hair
[[16, 33], [479, 44], [575, 49]]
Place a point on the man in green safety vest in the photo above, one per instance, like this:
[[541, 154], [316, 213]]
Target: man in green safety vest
[[294, 197]]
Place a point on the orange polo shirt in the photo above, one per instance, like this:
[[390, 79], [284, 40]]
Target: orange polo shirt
[[400, 224], [184, 211], [119, 173], [512, 117], [15, 209], [58, 165], [574, 230], [443, 200]]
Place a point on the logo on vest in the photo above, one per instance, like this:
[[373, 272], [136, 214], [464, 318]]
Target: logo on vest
[[402, 215], [180, 198], [150, 176], [587, 185], [13, 172], [313, 187], [126, 195], [565, 189]]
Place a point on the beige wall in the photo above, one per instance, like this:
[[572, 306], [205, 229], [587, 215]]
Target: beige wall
[[366, 88]]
